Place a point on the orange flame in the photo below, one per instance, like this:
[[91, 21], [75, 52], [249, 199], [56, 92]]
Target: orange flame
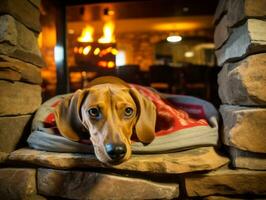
[[108, 36], [86, 35]]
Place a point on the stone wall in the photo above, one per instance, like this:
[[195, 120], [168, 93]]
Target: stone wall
[[20, 70], [240, 39]]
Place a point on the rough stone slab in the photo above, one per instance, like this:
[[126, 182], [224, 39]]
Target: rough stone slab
[[19, 98], [222, 32], [9, 74], [36, 3], [233, 12], [20, 10], [244, 128], [16, 70], [221, 9], [243, 83], [90, 185], [231, 198], [247, 160], [227, 182], [246, 39], [180, 162], [18, 41], [3, 156], [239, 10], [17, 183], [11, 130]]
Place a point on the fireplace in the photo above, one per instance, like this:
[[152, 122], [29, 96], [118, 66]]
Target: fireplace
[[129, 39]]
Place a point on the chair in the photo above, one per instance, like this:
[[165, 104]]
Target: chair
[[161, 78], [130, 73], [196, 81]]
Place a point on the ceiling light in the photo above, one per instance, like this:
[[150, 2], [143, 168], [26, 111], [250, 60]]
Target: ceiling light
[[174, 38]]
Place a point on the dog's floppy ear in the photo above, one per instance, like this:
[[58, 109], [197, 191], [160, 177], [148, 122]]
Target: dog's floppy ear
[[68, 116], [145, 125]]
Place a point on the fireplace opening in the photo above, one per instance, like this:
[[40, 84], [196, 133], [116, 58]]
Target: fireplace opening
[[167, 45]]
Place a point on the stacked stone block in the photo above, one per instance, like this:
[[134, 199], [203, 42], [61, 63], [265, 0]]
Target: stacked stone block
[[240, 39], [20, 70]]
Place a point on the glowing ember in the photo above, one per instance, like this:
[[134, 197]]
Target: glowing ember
[[108, 36], [97, 51], [86, 35], [106, 64], [86, 50], [80, 50]]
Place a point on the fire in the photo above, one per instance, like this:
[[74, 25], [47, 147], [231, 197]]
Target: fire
[[86, 50], [86, 35], [108, 36], [106, 64]]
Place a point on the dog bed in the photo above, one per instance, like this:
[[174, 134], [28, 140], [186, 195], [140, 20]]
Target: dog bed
[[183, 122]]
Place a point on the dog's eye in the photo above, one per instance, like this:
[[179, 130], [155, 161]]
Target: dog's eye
[[128, 111], [94, 113]]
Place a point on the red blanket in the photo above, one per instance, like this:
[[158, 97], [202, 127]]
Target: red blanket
[[170, 117]]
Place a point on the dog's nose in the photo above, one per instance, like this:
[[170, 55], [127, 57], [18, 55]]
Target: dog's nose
[[116, 151]]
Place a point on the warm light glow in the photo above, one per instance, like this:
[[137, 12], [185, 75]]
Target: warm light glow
[[189, 54], [71, 31], [86, 35], [114, 51], [96, 51], [102, 63], [108, 36], [80, 50], [58, 53], [177, 26], [40, 40], [76, 49], [111, 12], [174, 38], [120, 58], [106, 64], [110, 64], [86, 50]]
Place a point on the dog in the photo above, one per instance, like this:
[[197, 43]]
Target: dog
[[111, 114]]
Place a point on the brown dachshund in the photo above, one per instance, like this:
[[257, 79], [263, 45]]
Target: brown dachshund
[[111, 113]]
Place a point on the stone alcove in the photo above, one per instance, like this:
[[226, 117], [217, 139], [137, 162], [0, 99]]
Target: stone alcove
[[201, 173]]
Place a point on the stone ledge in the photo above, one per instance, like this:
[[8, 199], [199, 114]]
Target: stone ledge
[[17, 183], [245, 40], [227, 182], [231, 198], [90, 185], [244, 128], [242, 83], [172, 163], [247, 160]]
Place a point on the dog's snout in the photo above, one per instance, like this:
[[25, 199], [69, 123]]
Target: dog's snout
[[116, 151]]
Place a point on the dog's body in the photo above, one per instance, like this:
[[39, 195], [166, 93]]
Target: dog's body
[[110, 113]]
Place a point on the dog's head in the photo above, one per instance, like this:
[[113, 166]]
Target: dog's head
[[111, 114]]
